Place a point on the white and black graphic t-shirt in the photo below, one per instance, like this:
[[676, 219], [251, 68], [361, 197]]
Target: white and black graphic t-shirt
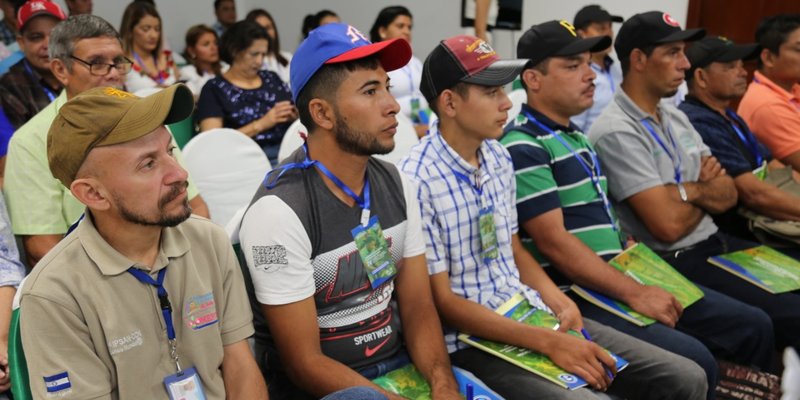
[[296, 240]]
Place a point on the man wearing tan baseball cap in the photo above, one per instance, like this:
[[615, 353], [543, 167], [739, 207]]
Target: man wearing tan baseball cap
[[141, 300]]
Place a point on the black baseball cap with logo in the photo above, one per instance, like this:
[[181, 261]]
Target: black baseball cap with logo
[[718, 49], [652, 28], [556, 39], [593, 13]]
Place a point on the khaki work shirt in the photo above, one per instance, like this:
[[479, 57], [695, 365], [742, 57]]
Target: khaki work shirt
[[91, 330]]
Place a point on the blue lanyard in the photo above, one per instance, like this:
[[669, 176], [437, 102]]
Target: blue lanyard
[[166, 308], [410, 74], [747, 138], [677, 155], [465, 178], [363, 202], [163, 298], [593, 170], [48, 92]]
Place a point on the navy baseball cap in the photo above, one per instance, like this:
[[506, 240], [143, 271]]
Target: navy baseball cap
[[652, 28], [593, 13], [336, 43], [556, 39], [718, 49]]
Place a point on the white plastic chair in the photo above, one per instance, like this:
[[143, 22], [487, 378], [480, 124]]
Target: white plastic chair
[[791, 375], [518, 98], [291, 140], [404, 139], [227, 167]]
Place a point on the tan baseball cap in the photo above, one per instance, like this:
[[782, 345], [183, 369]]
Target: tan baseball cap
[[105, 116]]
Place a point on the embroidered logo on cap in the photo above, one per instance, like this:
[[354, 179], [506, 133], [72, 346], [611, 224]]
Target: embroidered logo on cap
[[568, 27], [37, 6], [355, 34], [116, 92], [481, 48], [670, 21]]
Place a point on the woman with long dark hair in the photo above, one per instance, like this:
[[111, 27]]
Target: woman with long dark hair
[[396, 22], [142, 41], [276, 60], [202, 52]]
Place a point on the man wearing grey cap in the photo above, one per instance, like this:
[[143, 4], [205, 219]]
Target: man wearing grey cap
[[141, 300], [664, 180]]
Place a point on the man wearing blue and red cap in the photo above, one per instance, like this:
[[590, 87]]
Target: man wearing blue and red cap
[[333, 239]]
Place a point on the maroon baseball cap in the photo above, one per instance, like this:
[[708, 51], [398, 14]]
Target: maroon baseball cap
[[35, 8], [467, 59]]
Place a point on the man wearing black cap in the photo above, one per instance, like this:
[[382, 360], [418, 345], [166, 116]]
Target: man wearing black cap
[[333, 239], [571, 226], [593, 21], [663, 178], [465, 179], [716, 78]]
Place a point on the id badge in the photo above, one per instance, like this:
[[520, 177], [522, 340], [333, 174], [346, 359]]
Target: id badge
[[488, 234], [415, 110], [185, 385], [374, 252], [761, 172]]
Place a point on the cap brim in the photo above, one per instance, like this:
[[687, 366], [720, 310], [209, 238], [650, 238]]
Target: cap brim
[[173, 104], [617, 18], [688, 35], [739, 52], [593, 44], [393, 54], [498, 74]]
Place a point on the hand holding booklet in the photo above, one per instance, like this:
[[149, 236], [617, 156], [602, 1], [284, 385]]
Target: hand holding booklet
[[520, 310], [646, 267]]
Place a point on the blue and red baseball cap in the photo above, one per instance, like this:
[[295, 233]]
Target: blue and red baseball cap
[[337, 43]]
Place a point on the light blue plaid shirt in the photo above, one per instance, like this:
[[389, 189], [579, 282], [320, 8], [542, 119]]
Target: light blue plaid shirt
[[450, 209]]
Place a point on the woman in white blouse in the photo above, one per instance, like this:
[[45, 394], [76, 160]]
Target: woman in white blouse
[[203, 56], [396, 22]]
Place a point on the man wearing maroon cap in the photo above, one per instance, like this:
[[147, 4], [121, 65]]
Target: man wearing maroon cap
[[333, 239], [29, 85]]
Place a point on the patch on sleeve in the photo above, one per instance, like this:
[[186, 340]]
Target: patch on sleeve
[[58, 382], [270, 258]]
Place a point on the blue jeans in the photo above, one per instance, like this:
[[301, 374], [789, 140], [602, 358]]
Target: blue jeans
[[356, 393], [783, 309]]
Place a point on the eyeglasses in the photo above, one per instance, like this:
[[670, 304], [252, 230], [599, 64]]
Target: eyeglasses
[[101, 69]]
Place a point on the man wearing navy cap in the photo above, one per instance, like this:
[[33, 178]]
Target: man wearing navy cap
[[333, 239], [716, 78], [593, 21], [663, 178]]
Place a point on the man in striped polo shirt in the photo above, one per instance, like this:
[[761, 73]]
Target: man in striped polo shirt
[[476, 261], [569, 224]]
